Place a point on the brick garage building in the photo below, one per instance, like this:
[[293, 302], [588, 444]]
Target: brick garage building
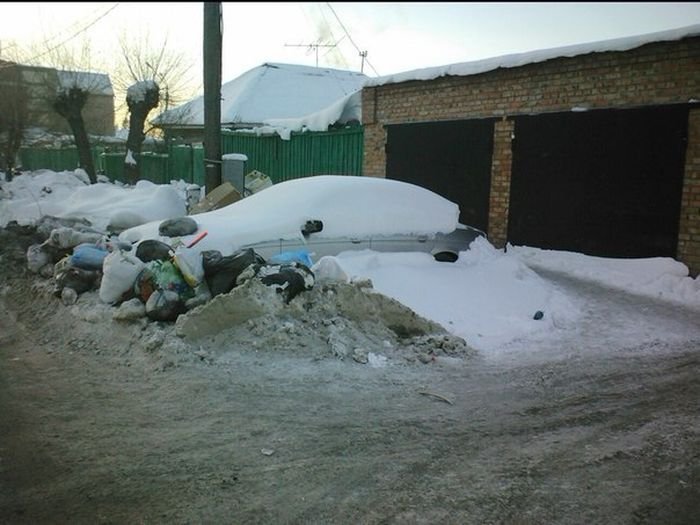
[[592, 148]]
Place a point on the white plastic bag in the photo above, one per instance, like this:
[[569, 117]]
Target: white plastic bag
[[119, 270], [189, 262]]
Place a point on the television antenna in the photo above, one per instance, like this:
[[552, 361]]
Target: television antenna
[[311, 47]]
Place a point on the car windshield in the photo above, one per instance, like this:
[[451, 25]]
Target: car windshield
[[348, 206]]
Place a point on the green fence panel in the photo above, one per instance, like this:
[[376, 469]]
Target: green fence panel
[[154, 167], [310, 153], [56, 159], [180, 162], [113, 166], [198, 165]]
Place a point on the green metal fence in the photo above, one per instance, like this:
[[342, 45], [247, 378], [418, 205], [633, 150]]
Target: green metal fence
[[56, 159], [310, 153]]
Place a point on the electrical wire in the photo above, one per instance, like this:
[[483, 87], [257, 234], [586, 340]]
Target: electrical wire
[[349, 37], [74, 35]]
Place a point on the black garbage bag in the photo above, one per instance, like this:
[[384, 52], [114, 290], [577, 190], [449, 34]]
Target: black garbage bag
[[289, 279], [76, 278], [177, 227], [164, 305], [221, 272], [152, 250]]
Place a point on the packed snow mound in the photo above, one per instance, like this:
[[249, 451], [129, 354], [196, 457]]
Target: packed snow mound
[[659, 277], [347, 321], [69, 194]]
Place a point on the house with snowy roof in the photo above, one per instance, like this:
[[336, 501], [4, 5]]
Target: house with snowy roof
[[40, 85], [274, 98]]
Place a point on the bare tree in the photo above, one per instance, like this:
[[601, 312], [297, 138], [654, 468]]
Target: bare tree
[[13, 115], [168, 68], [69, 103], [141, 98]]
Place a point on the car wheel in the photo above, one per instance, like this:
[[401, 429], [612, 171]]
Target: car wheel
[[446, 257]]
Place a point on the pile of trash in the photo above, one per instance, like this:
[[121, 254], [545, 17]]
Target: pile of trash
[[152, 278], [172, 292]]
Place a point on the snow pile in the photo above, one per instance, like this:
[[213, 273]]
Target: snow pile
[[486, 297], [69, 194], [659, 277]]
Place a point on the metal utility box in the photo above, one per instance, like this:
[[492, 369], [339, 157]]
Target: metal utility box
[[233, 170]]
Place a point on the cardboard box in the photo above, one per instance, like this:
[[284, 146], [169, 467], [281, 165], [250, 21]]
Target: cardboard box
[[217, 198]]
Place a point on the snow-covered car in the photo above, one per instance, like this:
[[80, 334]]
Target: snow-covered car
[[330, 214]]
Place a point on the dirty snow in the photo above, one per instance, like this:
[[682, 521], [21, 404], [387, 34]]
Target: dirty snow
[[488, 297]]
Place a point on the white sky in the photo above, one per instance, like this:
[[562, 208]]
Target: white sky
[[488, 297], [397, 36]]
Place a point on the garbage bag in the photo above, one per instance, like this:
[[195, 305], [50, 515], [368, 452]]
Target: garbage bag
[[144, 284], [300, 256], [68, 237], [161, 275], [164, 305], [166, 276], [189, 262], [289, 279], [177, 227], [153, 250], [88, 257], [220, 273], [75, 278], [119, 273], [37, 258]]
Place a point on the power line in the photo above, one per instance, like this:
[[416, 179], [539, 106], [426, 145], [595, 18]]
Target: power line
[[74, 35], [363, 54]]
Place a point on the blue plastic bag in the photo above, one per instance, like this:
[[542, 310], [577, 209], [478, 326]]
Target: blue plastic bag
[[88, 257], [299, 256]]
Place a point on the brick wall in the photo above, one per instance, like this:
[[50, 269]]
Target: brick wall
[[689, 227], [654, 74]]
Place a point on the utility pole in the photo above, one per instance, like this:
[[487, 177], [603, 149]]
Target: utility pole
[[212, 94], [363, 54], [311, 46]]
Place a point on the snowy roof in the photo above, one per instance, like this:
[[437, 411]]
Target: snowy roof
[[531, 57], [271, 91], [95, 83]]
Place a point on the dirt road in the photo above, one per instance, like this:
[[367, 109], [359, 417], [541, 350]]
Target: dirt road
[[600, 425]]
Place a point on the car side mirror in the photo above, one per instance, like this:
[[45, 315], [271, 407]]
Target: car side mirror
[[312, 227]]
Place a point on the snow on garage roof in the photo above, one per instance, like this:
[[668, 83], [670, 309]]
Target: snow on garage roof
[[531, 57], [271, 91]]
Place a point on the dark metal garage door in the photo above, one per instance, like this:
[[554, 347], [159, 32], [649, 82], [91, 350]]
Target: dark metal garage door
[[604, 183], [453, 159]]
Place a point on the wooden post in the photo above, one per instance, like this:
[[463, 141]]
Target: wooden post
[[212, 94]]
